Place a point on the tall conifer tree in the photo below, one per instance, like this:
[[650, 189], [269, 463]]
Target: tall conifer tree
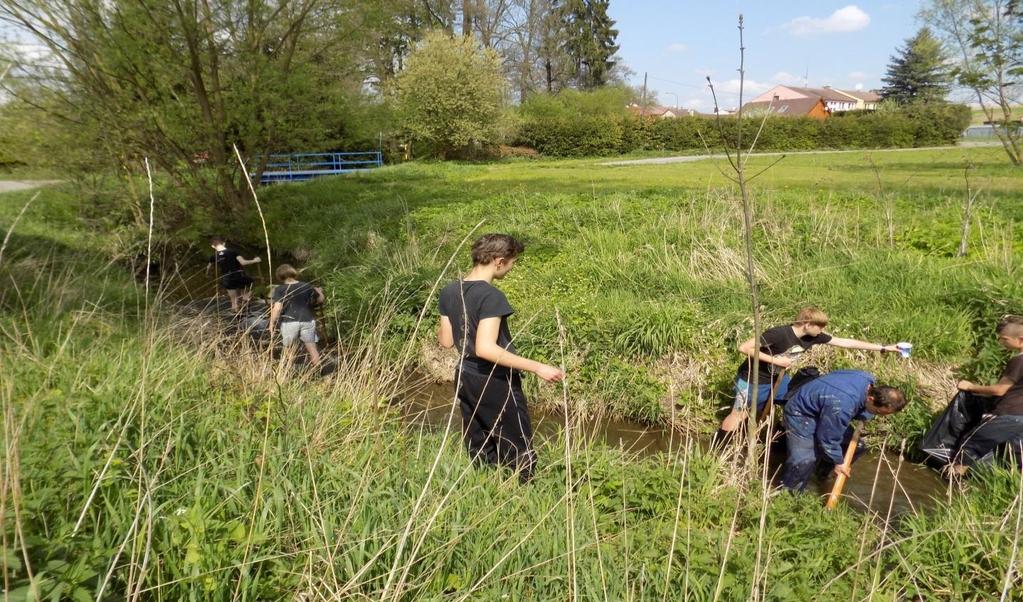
[[918, 72]]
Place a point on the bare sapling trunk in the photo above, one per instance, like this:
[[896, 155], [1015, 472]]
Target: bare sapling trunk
[[886, 202], [737, 157], [969, 204]]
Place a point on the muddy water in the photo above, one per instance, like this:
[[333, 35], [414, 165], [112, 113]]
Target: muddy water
[[879, 481]]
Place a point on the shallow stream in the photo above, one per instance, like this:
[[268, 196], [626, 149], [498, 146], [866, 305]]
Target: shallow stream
[[878, 481]]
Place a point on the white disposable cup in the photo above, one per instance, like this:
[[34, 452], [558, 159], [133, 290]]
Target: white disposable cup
[[905, 349]]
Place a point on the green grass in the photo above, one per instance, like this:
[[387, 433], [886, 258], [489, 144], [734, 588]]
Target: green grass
[[644, 264], [979, 117], [148, 457]]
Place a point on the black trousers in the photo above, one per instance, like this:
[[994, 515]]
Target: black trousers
[[997, 434], [495, 421]]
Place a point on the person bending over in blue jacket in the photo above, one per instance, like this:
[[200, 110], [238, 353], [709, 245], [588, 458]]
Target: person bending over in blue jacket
[[818, 419]]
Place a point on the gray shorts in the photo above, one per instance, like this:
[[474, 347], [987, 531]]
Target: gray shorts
[[298, 331]]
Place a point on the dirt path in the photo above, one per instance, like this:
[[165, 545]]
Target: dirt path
[[15, 185], [692, 158]]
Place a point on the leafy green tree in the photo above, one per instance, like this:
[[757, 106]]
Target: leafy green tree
[[987, 38], [451, 95], [918, 72], [183, 82]]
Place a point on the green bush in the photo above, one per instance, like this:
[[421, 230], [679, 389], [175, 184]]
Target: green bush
[[583, 124]]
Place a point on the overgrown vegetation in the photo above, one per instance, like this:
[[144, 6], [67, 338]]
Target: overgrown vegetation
[[148, 457], [642, 263]]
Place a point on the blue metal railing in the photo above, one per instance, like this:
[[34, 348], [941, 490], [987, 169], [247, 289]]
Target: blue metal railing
[[304, 166]]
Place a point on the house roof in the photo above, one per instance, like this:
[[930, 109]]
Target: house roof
[[864, 95], [825, 93], [796, 106], [652, 111]]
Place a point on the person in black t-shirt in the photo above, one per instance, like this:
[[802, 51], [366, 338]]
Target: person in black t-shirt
[[779, 348], [1004, 424], [231, 273], [474, 314], [292, 304]]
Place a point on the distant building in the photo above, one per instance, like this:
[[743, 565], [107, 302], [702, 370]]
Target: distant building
[[834, 99], [659, 112], [789, 107]]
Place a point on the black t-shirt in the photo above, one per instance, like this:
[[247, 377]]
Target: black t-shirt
[[780, 340], [297, 299], [482, 300], [1011, 404], [227, 262]]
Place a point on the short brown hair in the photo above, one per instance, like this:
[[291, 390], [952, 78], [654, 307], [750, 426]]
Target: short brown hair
[[889, 398], [812, 315], [493, 246], [1011, 325], [285, 271], [217, 240]]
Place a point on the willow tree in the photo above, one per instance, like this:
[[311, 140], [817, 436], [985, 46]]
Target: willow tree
[[181, 82]]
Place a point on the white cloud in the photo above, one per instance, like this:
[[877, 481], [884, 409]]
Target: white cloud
[[695, 103], [845, 19], [676, 48], [858, 86], [749, 87], [857, 76], [787, 79]]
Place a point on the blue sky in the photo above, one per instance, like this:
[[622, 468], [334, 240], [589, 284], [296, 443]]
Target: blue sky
[[842, 44]]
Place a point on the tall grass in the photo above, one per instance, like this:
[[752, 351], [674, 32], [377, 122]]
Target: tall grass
[[165, 460], [642, 277]]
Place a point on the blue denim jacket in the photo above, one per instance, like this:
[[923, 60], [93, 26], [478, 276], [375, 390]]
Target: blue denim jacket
[[832, 401]]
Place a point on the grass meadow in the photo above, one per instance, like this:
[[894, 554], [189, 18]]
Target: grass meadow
[[147, 456]]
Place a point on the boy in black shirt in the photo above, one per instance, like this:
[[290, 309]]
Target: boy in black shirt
[[292, 303], [488, 383], [779, 348], [1004, 424], [232, 275]]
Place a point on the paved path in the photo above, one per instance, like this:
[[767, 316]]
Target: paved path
[[15, 185], [692, 158]]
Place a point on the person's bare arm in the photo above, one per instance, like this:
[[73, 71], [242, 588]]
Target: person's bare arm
[[445, 336], [488, 349], [320, 297], [996, 390], [750, 347], [243, 261], [862, 345], [275, 314]]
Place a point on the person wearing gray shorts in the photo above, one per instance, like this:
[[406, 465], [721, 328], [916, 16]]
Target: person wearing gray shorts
[[292, 306], [298, 331]]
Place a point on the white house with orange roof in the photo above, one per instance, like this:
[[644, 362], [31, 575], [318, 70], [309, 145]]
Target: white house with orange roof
[[834, 99]]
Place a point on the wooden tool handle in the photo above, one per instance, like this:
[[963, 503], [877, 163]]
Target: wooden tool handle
[[850, 452]]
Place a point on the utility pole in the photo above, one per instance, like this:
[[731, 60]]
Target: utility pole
[[642, 100]]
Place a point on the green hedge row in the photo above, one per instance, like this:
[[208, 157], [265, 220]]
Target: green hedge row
[[582, 135]]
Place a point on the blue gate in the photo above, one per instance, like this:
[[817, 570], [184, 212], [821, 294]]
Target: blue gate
[[305, 166]]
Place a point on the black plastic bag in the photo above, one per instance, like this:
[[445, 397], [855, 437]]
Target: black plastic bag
[[962, 415]]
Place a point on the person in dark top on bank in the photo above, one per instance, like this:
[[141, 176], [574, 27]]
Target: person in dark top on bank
[[474, 315], [1003, 425], [818, 419], [231, 272], [292, 305], [779, 348]]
